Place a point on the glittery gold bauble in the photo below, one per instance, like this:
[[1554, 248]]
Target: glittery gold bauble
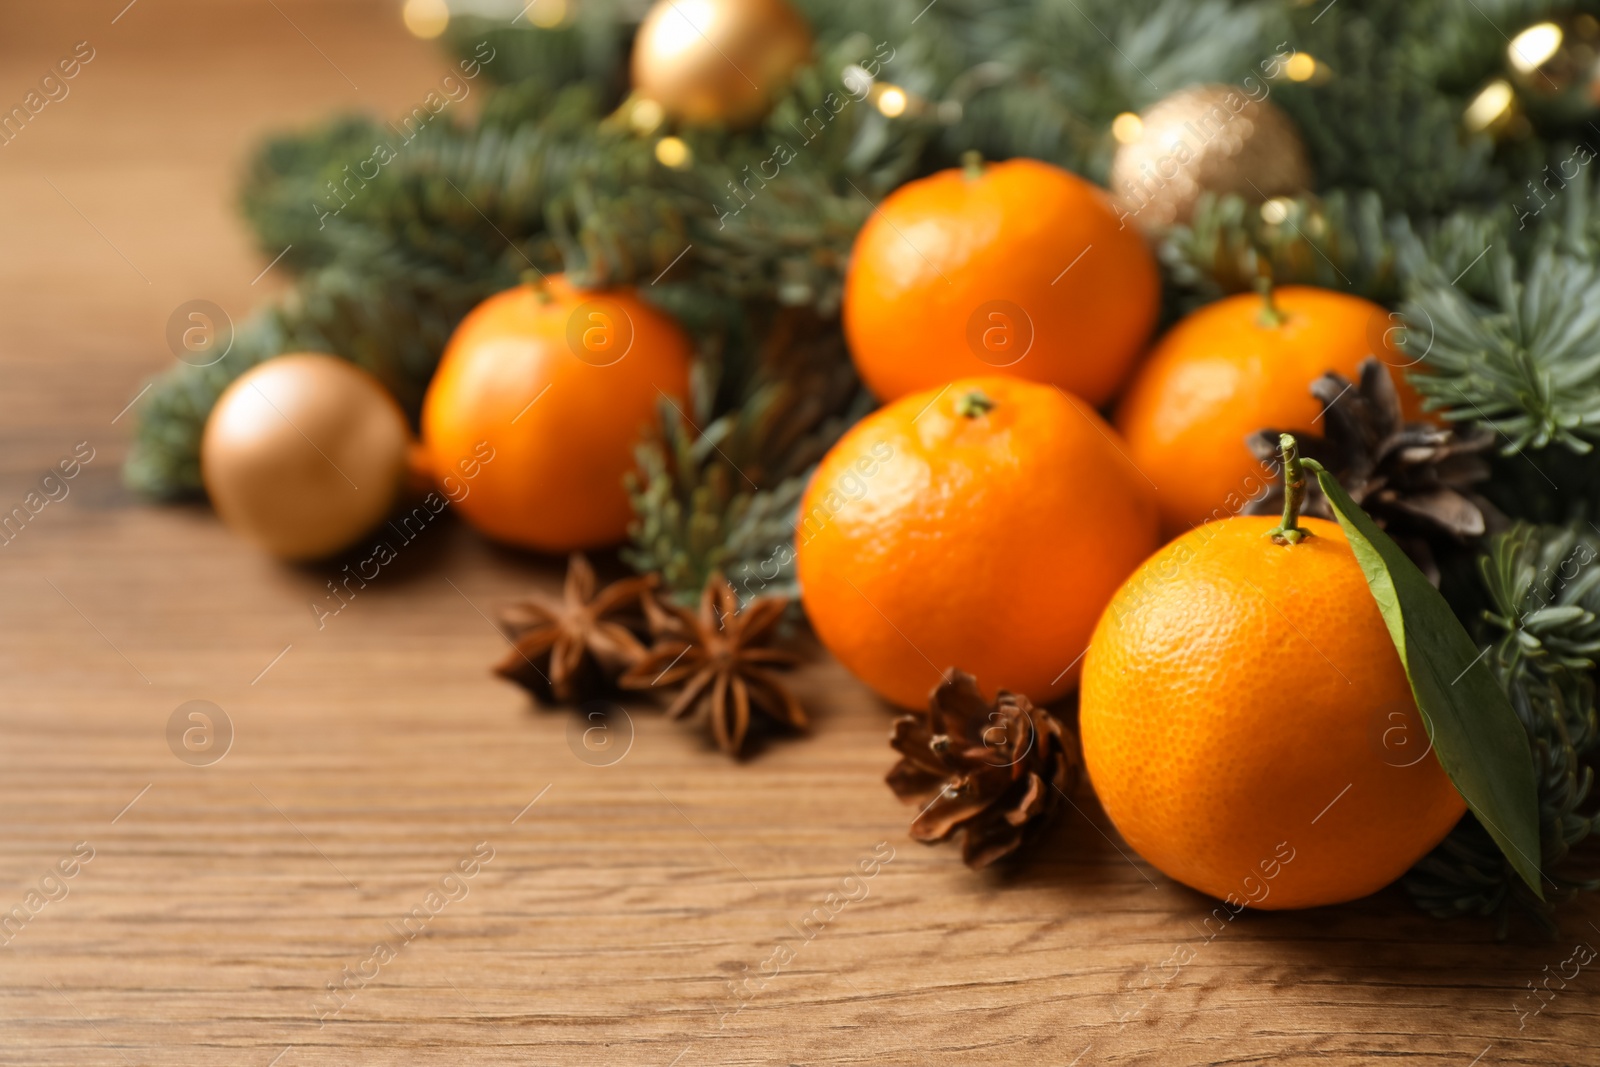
[[304, 454], [1207, 138], [1555, 66], [718, 61]]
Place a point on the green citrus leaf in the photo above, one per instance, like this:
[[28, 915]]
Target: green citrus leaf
[[1476, 735]]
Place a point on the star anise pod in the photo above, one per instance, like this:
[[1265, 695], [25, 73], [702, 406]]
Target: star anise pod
[[1414, 478], [570, 650], [997, 772], [721, 657]]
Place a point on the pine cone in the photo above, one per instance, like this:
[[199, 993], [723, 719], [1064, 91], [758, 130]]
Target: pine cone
[[1415, 479], [998, 772]]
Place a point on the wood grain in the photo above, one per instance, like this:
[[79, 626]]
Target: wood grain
[[625, 916]]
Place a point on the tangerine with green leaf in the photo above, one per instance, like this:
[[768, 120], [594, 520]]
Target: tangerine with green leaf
[[1248, 725]]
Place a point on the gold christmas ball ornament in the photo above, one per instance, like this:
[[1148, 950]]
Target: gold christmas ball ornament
[[718, 61], [1207, 138], [303, 454], [1555, 66]]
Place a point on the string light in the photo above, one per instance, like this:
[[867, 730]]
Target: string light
[[646, 115], [1300, 67], [1530, 48], [892, 101], [672, 152], [1127, 128], [426, 18], [547, 14], [1276, 210], [1491, 106]]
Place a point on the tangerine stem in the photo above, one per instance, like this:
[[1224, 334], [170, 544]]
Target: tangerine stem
[[1272, 315], [974, 403], [1289, 532], [972, 163]]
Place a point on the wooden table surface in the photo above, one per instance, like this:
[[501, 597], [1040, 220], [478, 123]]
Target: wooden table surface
[[632, 913]]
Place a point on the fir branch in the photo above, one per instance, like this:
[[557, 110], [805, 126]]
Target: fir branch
[[396, 229], [392, 317], [164, 462], [724, 496], [1344, 241], [1388, 117], [589, 45], [1524, 362], [1544, 617], [1042, 80], [1549, 485]]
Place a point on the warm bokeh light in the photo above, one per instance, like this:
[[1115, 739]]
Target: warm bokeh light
[[426, 18], [645, 115], [547, 14], [672, 152], [892, 101], [1489, 106], [1300, 67], [1530, 48], [1127, 128], [1276, 210]]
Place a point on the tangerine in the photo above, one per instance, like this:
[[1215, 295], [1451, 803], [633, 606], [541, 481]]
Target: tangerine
[[1019, 268], [1242, 364], [1248, 725], [556, 384], [981, 525]]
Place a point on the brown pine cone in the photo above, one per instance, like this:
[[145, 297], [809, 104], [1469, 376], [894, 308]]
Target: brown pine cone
[[999, 772], [1414, 478]]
